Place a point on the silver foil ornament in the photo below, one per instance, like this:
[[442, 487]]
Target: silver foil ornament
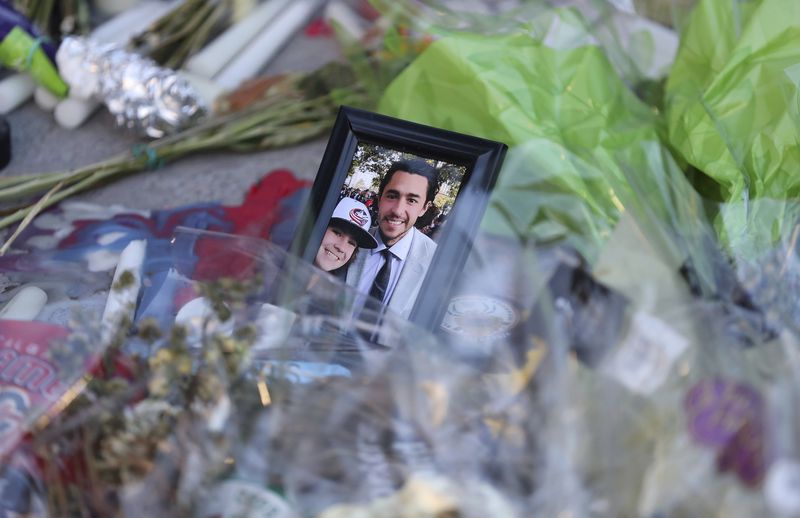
[[141, 95]]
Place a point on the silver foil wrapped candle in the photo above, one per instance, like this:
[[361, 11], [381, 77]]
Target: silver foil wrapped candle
[[141, 95]]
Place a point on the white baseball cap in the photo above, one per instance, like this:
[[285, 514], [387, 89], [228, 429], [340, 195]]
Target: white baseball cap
[[356, 218]]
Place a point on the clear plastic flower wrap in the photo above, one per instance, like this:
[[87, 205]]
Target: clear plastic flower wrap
[[545, 391], [550, 387], [780, 481], [638, 38], [261, 384], [433, 422], [732, 115], [607, 349], [271, 390], [583, 148], [679, 416], [707, 320], [50, 344]]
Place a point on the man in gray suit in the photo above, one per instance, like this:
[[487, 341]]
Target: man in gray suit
[[393, 272]]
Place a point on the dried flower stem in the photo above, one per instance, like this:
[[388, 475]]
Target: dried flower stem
[[173, 38], [34, 210]]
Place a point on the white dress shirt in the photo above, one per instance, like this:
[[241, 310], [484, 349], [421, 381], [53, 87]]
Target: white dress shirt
[[374, 262]]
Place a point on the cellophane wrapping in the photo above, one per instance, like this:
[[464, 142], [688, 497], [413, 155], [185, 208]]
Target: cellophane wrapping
[[622, 339]]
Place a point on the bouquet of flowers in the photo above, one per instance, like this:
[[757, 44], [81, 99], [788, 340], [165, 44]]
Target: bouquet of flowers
[[616, 346]]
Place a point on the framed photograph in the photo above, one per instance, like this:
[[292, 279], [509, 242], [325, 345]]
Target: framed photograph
[[394, 209]]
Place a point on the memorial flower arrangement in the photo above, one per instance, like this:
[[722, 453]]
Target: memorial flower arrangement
[[650, 367], [139, 414], [168, 420]]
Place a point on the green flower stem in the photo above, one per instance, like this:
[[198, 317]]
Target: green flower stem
[[199, 36], [173, 38], [35, 184], [288, 124], [71, 17], [43, 14], [92, 179], [168, 49], [14, 180], [32, 213]]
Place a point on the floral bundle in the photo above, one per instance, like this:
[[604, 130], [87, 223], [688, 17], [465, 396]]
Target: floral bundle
[[626, 339]]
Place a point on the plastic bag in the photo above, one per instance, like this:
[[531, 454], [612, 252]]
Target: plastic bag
[[240, 345], [50, 344], [732, 113], [583, 150], [673, 418], [599, 355]]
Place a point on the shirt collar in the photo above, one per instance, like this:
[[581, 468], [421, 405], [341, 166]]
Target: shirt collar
[[400, 249]]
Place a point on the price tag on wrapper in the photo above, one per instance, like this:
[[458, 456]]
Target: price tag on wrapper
[[30, 381], [644, 359]]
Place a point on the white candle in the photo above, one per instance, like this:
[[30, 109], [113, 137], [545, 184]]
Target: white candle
[[339, 13], [25, 305], [214, 56], [121, 28], [72, 112], [205, 88], [121, 301], [263, 48], [14, 91], [113, 7], [44, 99]]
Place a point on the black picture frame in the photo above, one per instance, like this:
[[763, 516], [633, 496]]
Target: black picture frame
[[482, 159]]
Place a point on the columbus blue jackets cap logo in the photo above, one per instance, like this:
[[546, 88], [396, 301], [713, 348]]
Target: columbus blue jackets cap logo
[[359, 216]]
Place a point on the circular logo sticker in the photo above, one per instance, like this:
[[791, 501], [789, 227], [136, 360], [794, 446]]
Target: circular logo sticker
[[479, 317], [358, 216]]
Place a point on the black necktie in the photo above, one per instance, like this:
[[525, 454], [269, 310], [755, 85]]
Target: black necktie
[[378, 290]]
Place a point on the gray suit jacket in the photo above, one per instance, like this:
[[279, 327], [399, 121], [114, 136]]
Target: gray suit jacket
[[414, 269]]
